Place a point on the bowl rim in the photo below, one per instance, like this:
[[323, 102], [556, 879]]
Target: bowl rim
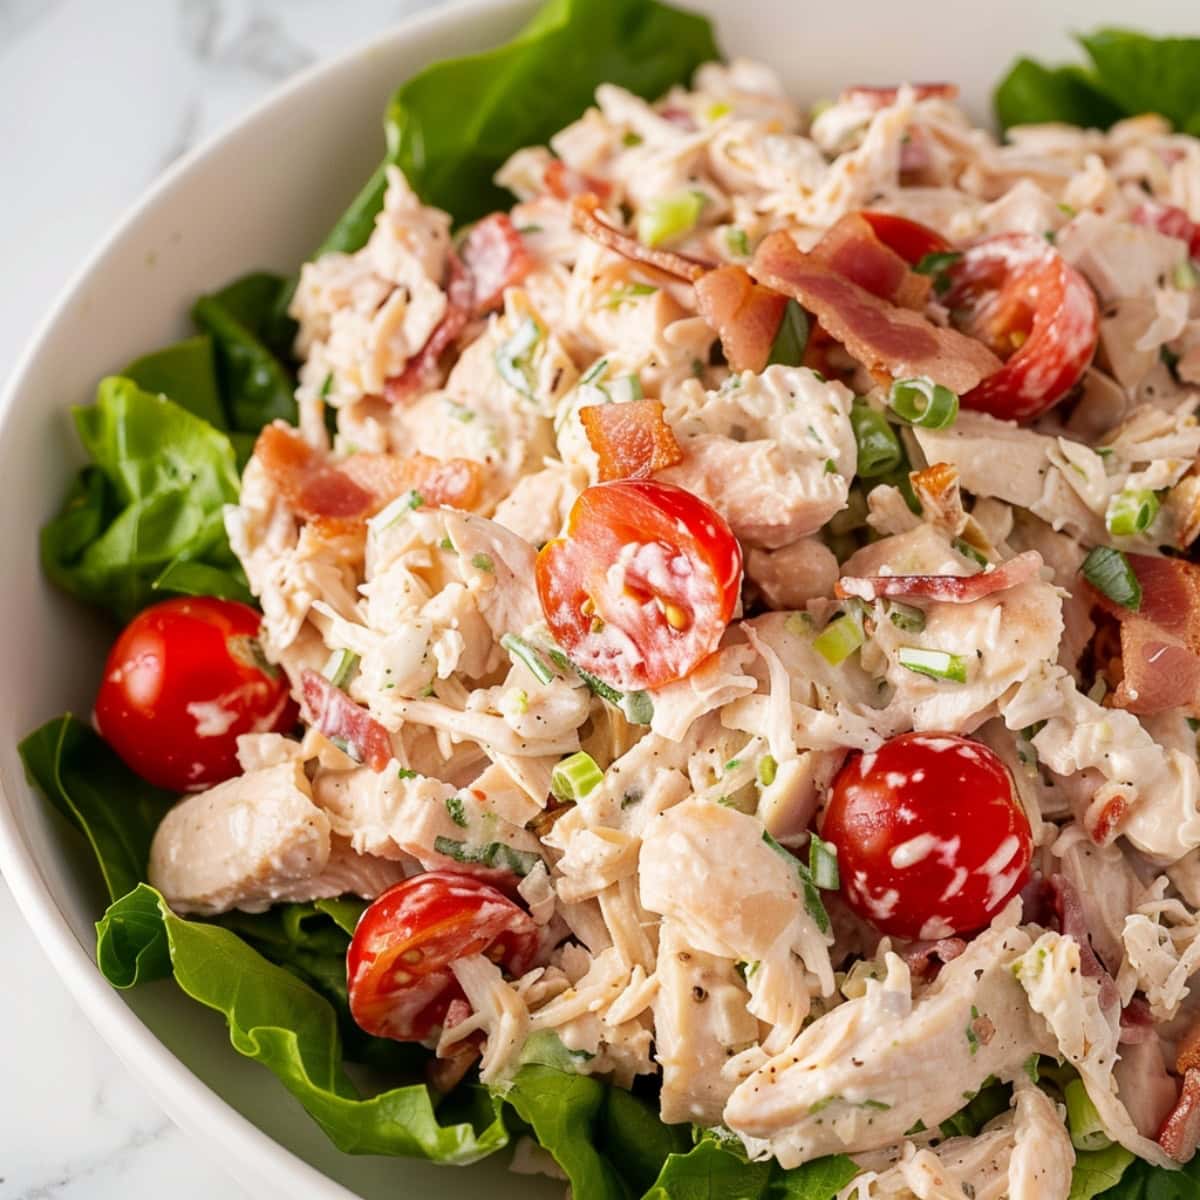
[[190, 1103]]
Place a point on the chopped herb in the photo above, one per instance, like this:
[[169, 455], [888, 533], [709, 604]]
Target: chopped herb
[[399, 508], [823, 864], [498, 855], [405, 773], [812, 896], [937, 266], [576, 776], [627, 292], [483, 562], [791, 338], [457, 811], [629, 138], [447, 544], [1184, 276], [972, 1036], [340, 668], [526, 229], [514, 357], [522, 651], [906, 617], [968, 551], [732, 765], [327, 386], [737, 241], [1030, 1067], [798, 624], [937, 664], [1109, 572], [831, 467]]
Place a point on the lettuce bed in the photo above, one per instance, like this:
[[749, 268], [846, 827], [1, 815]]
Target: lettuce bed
[[166, 439]]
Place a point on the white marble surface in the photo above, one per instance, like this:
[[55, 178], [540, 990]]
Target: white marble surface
[[97, 97]]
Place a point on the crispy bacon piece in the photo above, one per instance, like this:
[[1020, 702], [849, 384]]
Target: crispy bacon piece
[[1172, 221], [632, 438], [1180, 1132], [342, 495], [562, 182], [495, 257], [338, 717], [585, 218], [1072, 924], [745, 315], [1160, 643], [925, 959], [880, 335], [951, 589], [1137, 1025], [852, 247], [881, 97]]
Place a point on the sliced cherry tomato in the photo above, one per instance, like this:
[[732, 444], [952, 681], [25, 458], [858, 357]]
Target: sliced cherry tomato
[[909, 239], [398, 965], [1018, 295], [183, 680], [642, 586], [1172, 221], [930, 837]]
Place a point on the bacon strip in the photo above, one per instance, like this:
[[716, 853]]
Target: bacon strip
[[745, 315], [342, 496], [632, 439], [1160, 643], [1180, 1132], [853, 249], [1172, 221], [925, 958], [1073, 925], [585, 218], [880, 335], [337, 716], [951, 589]]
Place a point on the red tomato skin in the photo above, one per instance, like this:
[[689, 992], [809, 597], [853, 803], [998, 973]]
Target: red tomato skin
[[1018, 284], [930, 837], [192, 651], [909, 239], [684, 548], [398, 965]]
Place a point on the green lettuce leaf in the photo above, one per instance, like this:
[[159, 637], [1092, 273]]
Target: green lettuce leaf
[[1130, 73], [186, 373], [1096, 1171], [152, 498], [1141, 1181], [113, 808], [279, 1020], [452, 125]]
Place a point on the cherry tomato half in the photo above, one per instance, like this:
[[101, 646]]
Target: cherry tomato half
[[398, 965], [642, 586], [931, 840], [183, 680], [909, 239], [1017, 294]]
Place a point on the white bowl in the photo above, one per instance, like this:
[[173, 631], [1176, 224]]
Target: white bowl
[[261, 196]]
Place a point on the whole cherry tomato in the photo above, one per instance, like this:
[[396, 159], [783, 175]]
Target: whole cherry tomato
[[182, 681], [398, 965], [930, 838], [644, 583]]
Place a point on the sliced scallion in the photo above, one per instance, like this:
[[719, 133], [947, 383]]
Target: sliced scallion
[[1131, 511], [575, 776], [513, 356], [972, 552], [628, 387], [791, 338], [737, 241], [670, 217], [839, 639], [937, 265], [499, 855], [521, 651], [340, 668], [1109, 572], [923, 402], [906, 617], [878, 447], [937, 664], [1184, 276], [823, 864], [627, 292], [1087, 1130], [399, 508]]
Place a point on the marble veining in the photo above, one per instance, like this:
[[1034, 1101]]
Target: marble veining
[[97, 97]]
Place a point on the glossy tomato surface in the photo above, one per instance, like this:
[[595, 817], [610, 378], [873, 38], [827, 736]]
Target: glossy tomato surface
[[930, 837], [1017, 294], [398, 965], [909, 239], [644, 583], [182, 681]]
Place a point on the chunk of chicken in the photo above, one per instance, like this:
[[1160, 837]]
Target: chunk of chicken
[[243, 844], [793, 575], [772, 453], [862, 1075], [700, 1020]]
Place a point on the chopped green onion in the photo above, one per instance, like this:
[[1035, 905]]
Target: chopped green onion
[[968, 551], [499, 855], [327, 386], [405, 773], [1131, 511], [791, 338], [1087, 1130], [1109, 572], [399, 508], [628, 387], [812, 895], [737, 241], [526, 229], [669, 217], [626, 292], [922, 402], [340, 668], [637, 707], [767, 769], [839, 639], [575, 776], [937, 664], [521, 651], [446, 544], [483, 562], [629, 138], [937, 265], [717, 110], [878, 447], [823, 863], [831, 468], [1184, 276], [906, 617], [457, 811], [512, 357], [595, 371]]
